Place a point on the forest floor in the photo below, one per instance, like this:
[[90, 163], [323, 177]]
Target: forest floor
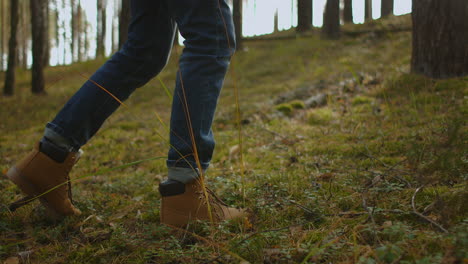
[[375, 173]]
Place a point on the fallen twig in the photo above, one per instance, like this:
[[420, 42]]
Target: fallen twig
[[415, 211], [352, 214]]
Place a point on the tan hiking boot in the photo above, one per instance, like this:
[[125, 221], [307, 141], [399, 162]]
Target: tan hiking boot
[[40, 176], [185, 203]]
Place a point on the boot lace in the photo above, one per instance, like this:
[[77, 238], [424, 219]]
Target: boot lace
[[215, 202]]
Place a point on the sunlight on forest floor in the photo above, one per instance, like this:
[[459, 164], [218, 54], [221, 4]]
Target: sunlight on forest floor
[[327, 184]]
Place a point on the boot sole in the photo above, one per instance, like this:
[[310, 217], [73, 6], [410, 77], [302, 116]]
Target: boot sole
[[28, 188]]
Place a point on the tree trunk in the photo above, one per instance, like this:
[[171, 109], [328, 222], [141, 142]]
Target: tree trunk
[[12, 49], [101, 28], [46, 34], [79, 30], [124, 22], [64, 33], [331, 20], [56, 27], [348, 11], [86, 41], [38, 21], [367, 10], [2, 34], [237, 17], [440, 37], [74, 33], [304, 15], [23, 46], [386, 8], [5, 31], [275, 22]]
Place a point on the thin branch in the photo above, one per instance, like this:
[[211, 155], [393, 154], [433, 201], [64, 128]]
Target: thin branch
[[415, 211]]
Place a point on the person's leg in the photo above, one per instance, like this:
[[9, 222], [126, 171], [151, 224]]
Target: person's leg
[[207, 28], [43, 173], [209, 43], [142, 57]]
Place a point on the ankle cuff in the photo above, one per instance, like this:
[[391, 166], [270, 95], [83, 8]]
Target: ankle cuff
[[53, 151], [183, 175], [58, 140]]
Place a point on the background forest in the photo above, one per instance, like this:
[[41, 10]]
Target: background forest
[[350, 145]]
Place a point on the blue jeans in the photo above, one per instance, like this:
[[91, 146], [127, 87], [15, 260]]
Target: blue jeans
[[209, 43]]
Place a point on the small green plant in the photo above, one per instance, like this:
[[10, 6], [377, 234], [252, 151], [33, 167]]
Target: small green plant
[[286, 109], [320, 116], [360, 99], [297, 104], [388, 253]]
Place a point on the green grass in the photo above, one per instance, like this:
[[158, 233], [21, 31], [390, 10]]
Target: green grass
[[308, 173]]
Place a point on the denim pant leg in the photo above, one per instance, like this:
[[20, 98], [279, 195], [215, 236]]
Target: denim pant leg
[[142, 57], [209, 43]]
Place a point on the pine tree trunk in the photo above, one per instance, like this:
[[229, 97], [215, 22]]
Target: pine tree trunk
[[86, 42], [64, 34], [12, 49], [367, 10], [304, 15], [57, 26], [348, 11], [101, 28], [73, 23], [2, 34], [275, 22], [79, 30], [386, 8], [331, 20], [440, 38], [237, 17], [46, 34], [24, 36], [124, 22], [38, 21], [115, 26]]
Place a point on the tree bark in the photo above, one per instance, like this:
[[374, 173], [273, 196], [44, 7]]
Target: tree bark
[[275, 22], [367, 10], [101, 28], [56, 27], [79, 30], [237, 17], [386, 8], [124, 22], [113, 27], [304, 15], [38, 21], [64, 34], [86, 41], [24, 37], [74, 33], [12, 49], [348, 11], [46, 34], [440, 38], [2, 33], [331, 20]]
